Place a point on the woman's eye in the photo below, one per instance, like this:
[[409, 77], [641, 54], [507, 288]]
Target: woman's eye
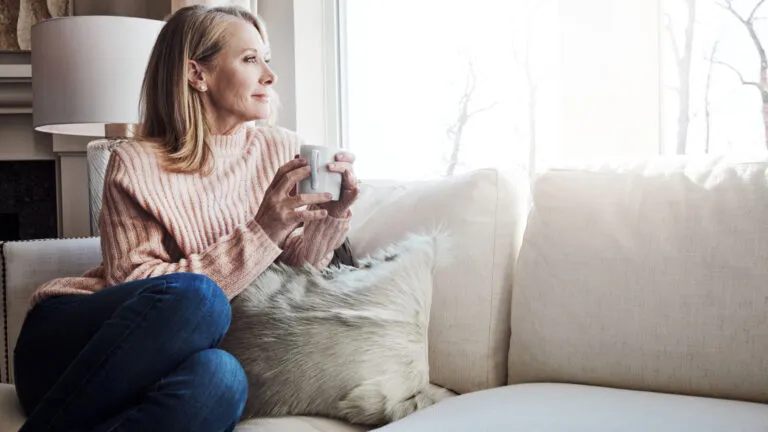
[[251, 59]]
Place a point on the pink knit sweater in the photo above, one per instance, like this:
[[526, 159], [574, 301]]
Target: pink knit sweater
[[154, 222]]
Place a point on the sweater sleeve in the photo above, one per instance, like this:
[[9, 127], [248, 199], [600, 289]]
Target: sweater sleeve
[[315, 242], [132, 241]]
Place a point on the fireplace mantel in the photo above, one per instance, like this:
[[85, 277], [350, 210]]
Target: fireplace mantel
[[15, 89]]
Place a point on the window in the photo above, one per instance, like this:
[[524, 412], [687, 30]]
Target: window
[[712, 69], [438, 87], [441, 87]]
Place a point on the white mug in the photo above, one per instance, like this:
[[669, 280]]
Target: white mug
[[320, 179]]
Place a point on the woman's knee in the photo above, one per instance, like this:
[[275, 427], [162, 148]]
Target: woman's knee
[[200, 294], [223, 379]]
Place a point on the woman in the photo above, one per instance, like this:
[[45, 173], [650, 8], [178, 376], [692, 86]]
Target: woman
[[192, 213]]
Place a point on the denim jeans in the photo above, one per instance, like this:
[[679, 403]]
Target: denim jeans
[[139, 356]]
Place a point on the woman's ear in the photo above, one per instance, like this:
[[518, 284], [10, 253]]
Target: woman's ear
[[195, 76]]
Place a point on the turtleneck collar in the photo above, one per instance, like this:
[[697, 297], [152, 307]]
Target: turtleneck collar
[[228, 145]]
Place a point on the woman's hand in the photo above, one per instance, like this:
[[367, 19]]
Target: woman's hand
[[278, 215], [349, 185]]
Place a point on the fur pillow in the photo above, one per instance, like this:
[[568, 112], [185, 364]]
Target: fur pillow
[[345, 342]]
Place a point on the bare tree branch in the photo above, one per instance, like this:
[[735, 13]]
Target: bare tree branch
[[727, 5], [672, 38], [707, 102], [478, 111], [456, 130], [762, 86], [749, 24], [754, 11], [736, 71]]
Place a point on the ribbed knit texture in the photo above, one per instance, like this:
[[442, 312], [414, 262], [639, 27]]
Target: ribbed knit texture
[[154, 222]]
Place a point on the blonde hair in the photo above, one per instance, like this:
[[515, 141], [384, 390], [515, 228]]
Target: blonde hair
[[173, 115]]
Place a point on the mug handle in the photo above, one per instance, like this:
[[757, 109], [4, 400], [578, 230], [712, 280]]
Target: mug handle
[[314, 161]]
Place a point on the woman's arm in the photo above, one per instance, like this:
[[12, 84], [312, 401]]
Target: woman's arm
[[315, 242], [132, 242]]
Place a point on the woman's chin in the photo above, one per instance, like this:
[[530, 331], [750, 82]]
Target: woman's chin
[[260, 114]]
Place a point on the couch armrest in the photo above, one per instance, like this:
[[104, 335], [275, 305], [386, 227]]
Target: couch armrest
[[25, 266]]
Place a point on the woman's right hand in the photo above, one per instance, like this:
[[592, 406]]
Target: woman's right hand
[[279, 212]]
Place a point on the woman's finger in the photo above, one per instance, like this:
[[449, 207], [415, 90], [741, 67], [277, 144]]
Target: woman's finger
[[291, 178], [288, 167], [310, 215], [309, 199], [349, 196], [345, 156], [350, 181], [339, 167]]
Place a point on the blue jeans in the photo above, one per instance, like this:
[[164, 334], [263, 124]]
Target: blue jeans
[[139, 356]]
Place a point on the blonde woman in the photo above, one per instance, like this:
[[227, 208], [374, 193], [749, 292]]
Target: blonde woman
[[192, 213]]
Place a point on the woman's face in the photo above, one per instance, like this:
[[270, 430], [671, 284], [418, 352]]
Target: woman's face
[[236, 84]]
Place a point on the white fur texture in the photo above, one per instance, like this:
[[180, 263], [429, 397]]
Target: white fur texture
[[344, 342]]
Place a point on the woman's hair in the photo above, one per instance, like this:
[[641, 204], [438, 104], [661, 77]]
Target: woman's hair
[[172, 113]]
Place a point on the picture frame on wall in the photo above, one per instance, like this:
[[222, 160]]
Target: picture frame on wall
[[18, 16]]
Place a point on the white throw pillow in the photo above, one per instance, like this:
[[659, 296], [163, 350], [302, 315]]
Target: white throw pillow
[[347, 343]]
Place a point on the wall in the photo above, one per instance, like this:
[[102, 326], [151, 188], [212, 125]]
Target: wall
[[278, 15], [153, 9], [304, 55]]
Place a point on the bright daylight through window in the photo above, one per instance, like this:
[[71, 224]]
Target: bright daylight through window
[[440, 87]]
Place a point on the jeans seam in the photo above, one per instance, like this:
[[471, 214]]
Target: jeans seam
[[103, 360], [129, 415]]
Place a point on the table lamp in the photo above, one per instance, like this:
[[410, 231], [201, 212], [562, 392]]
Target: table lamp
[[87, 73]]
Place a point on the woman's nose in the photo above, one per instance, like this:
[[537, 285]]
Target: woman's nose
[[268, 77]]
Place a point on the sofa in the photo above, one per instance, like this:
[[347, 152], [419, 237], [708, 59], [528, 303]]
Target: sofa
[[621, 296]]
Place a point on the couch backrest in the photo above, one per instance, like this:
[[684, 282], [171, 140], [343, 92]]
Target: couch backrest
[[28, 264], [648, 276], [484, 212]]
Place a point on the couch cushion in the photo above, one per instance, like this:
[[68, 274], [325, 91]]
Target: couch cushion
[[569, 408], [11, 415], [296, 424], [484, 211], [649, 276], [29, 264]]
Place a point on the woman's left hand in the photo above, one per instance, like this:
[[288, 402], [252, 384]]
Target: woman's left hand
[[349, 185]]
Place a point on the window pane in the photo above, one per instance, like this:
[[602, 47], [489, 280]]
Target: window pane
[[438, 87], [707, 52]]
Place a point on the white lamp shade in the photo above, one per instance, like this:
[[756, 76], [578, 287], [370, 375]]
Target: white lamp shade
[[87, 71]]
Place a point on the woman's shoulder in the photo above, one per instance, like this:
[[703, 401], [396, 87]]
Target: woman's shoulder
[[137, 149], [135, 155]]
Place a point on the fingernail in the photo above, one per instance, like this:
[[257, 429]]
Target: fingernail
[[331, 165], [328, 196]]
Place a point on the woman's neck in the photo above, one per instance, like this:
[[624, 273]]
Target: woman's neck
[[227, 128]]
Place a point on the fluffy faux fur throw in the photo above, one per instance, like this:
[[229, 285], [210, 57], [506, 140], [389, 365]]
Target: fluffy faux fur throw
[[345, 342]]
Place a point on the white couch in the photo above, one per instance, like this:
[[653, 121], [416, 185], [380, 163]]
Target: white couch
[[636, 300]]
